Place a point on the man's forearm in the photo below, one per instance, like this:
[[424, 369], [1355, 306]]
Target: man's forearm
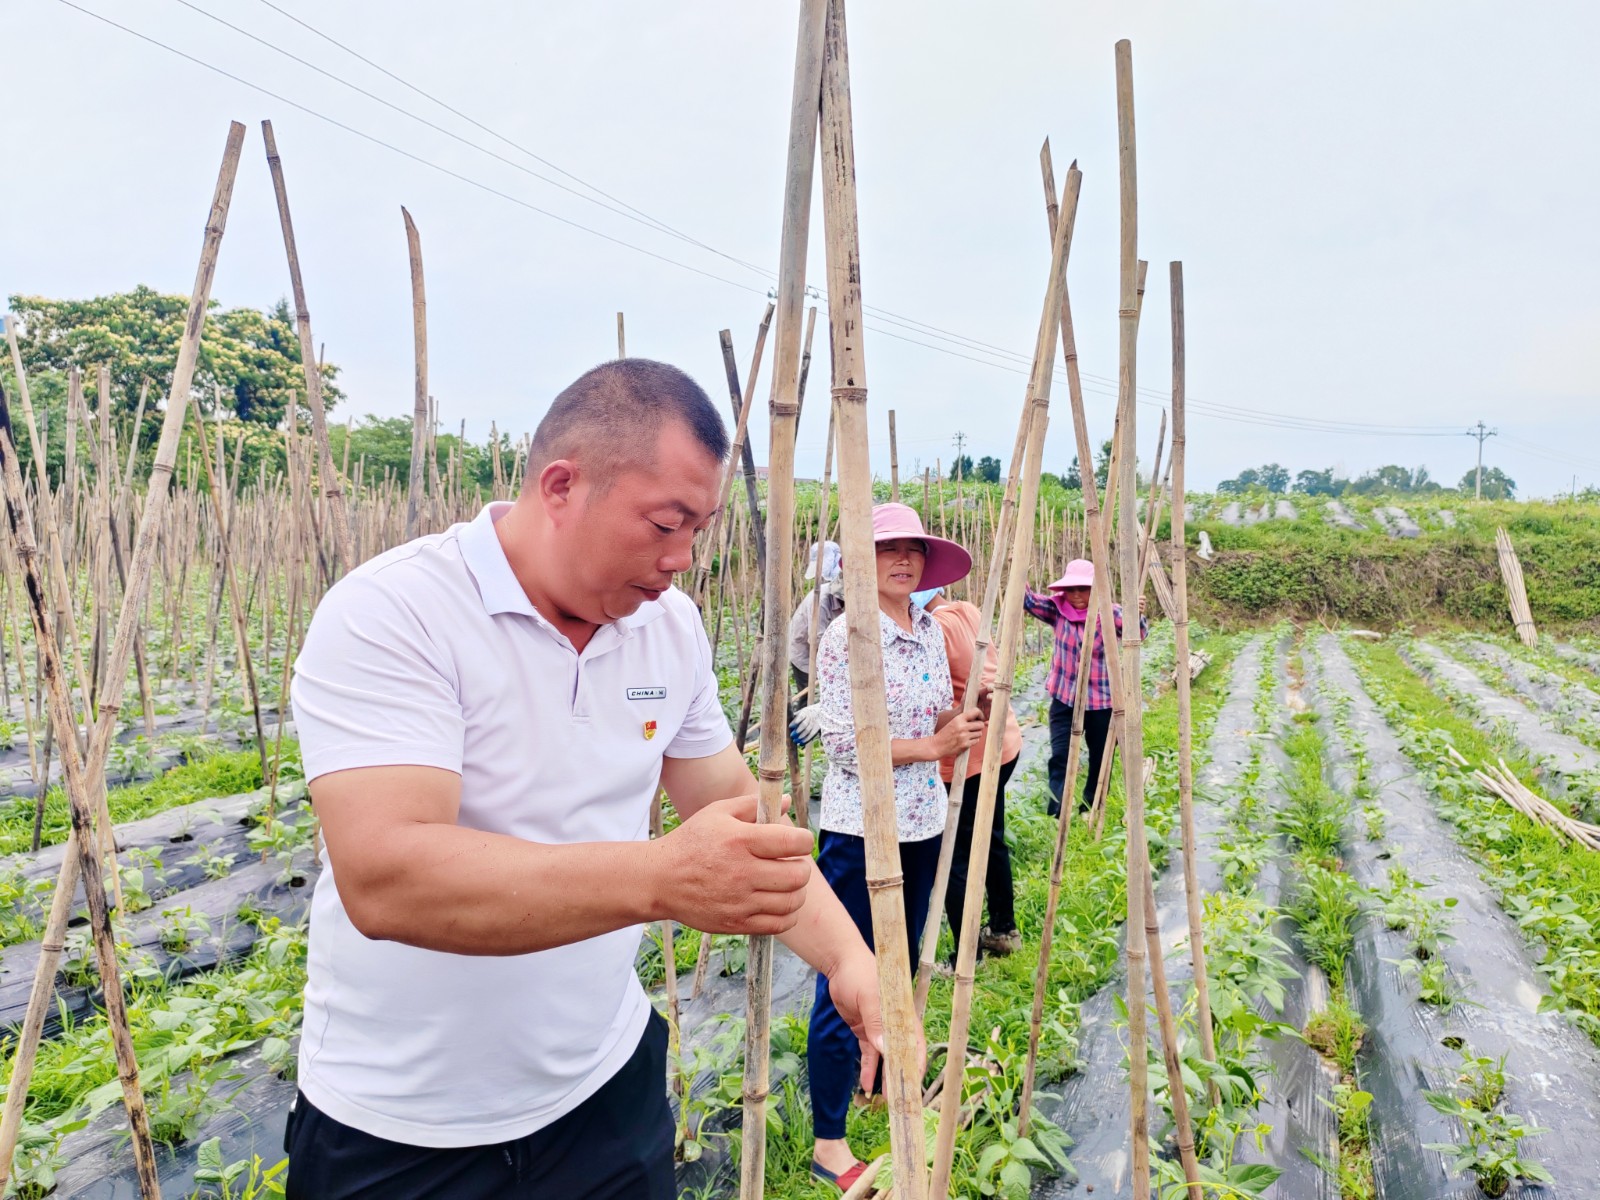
[[464, 891], [824, 936]]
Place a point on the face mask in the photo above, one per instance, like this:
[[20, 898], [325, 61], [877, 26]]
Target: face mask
[[1076, 615], [920, 599]]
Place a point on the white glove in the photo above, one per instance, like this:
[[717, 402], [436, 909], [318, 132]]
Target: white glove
[[807, 724]]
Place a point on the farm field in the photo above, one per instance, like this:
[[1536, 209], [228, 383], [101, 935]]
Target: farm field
[[1405, 972]]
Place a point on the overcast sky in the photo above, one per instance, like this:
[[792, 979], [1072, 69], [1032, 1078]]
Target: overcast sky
[[1386, 212]]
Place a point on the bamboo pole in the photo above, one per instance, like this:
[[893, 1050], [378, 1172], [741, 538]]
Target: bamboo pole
[[129, 619], [236, 605], [622, 339], [419, 410], [980, 655], [894, 462], [83, 826], [779, 568], [901, 1066], [1041, 974], [1183, 1127], [1038, 407], [1128, 553], [332, 484], [1180, 637], [745, 453], [824, 523]]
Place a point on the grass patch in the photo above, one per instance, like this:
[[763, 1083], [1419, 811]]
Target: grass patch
[[226, 773]]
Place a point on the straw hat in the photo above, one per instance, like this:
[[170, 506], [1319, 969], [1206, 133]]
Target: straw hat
[[946, 561], [1080, 573]]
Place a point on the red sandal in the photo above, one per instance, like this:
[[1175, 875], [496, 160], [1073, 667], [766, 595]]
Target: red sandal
[[844, 1180]]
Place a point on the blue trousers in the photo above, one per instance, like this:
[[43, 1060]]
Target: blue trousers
[[833, 1055]]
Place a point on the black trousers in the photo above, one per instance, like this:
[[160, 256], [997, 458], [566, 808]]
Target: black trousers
[[616, 1145], [997, 879], [1096, 725]]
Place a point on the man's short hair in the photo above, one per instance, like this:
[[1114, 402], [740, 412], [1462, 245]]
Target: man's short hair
[[609, 417]]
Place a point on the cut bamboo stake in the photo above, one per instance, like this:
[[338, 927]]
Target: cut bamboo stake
[[1128, 547], [622, 340], [83, 827], [894, 462], [802, 794], [1047, 931], [419, 411], [332, 484], [885, 884], [1176, 1089], [778, 572], [1180, 637], [745, 453], [241, 633], [980, 656], [1038, 407], [130, 617]]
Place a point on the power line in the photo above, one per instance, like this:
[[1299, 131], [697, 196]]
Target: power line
[[1010, 360]]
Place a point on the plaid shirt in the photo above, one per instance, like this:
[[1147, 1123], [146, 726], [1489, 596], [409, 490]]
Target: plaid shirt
[[1062, 682]]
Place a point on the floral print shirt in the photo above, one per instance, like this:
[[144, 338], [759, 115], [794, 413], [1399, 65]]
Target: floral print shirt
[[916, 677]]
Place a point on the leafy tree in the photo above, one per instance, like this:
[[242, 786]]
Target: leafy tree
[[1102, 465], [1073, 479], [1497, 485], [249, 360], [1242, 482], [1395, 479], [1320, 483], [961, 467], [1275, 478], [989, 469]]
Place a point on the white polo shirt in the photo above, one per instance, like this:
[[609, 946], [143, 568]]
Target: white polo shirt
[[431, 654]]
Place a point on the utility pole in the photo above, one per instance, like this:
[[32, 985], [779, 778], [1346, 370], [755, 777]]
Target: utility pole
[[961, 441], [1480, 432]]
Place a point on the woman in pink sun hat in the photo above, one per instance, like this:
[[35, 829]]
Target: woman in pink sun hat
[[924, 727], [1066, 610]]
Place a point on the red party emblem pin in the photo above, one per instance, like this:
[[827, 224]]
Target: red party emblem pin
[[649, 730]]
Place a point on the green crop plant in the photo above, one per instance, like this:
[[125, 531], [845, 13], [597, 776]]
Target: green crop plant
[[38, 1157], [181, 928], [247, 1179], [211, 864], [1336, 1033], [1550, 887], [1490, 1151], [1326, 907], [1482, 1080], [228, 774]]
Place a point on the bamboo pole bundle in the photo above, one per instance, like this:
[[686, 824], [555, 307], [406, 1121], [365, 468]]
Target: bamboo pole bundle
[[901, 1064], [1133, 716], [778, 570], [332, 484], [1038, 408], [1498, 780], [419, 410], [1511, 572], [1185, 670], [77, 857]]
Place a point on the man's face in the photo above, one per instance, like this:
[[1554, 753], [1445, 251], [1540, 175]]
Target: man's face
[[622, 546]]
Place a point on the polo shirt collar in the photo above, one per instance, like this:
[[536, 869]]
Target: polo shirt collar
[[498, 587], [921, 619]]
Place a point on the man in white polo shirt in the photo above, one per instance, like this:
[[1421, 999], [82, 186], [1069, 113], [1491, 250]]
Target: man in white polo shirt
[[485, 716]]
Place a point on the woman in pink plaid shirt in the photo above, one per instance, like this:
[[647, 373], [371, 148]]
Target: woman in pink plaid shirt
[[1066, 610]]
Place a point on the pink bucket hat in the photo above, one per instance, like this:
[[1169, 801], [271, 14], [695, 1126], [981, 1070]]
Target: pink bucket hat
[[947, 562], [1080, 573]]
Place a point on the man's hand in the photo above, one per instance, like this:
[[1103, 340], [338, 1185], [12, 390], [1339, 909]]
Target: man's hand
[[720, 872], [959, 733], [854, 988]]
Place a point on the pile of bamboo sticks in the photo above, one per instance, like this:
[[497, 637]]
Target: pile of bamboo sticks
[[1498, 780], [1516, 588]]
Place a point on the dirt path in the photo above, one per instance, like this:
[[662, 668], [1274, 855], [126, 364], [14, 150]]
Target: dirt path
[[1555, 1070]]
